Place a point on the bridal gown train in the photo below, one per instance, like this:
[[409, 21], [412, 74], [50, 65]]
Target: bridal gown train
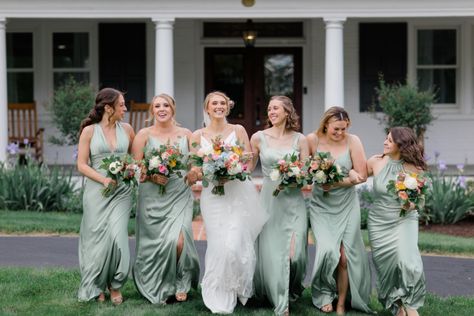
[[233, 222]]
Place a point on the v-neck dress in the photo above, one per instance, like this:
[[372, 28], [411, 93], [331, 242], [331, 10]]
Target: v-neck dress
[[157, 272], [104, 254]]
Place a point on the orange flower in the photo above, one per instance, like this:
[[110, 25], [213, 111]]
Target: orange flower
[[403, 195]]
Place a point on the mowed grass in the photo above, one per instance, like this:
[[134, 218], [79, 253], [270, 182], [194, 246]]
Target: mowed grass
[[27, 222], [30, 291]]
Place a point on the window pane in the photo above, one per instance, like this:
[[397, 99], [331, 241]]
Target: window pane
[[442, 80], [70, 50], [436, 47], [20, 87], [19, 50], [60, 77], [279, 75], [229, 77]]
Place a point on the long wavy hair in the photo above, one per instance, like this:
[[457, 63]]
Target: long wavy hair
[[410, 150], [292, 121], [169, 99], [334, 113], [106, 96]]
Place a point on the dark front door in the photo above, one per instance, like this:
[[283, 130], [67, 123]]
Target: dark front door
[[250, 76], [122, 58]]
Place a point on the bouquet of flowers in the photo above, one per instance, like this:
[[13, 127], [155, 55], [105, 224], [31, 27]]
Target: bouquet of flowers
[[408, 187], [323, 170], [291, 172], [120, 169], [163, 162], [223, 162]]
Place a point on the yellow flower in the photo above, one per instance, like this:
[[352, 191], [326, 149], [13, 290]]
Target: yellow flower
[[400, 186], [172, 163], [237, 150], [217, 152]]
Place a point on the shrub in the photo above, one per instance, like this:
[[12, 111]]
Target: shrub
[[404, 105], [449, 200], [70, 105], [36, 187]]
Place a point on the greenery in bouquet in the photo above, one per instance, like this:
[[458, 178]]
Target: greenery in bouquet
[[291, 171], [408, 187], [164, 162], [324, 171], [121, 170], [223, 162]]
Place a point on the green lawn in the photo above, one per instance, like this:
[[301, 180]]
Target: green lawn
[[29, 291], [24, 222]]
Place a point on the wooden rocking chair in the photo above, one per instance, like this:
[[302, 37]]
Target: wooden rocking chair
[[139, 115]]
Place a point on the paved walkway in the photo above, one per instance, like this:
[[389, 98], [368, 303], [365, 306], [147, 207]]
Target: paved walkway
[[445, 276]]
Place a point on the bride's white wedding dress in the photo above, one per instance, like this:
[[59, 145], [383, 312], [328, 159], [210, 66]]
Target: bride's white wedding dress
[[233, 222]]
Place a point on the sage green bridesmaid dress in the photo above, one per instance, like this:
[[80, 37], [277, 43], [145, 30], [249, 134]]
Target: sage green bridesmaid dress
[[394, 242], [104, 254], [278, 277], [335, 220], [157, 272]]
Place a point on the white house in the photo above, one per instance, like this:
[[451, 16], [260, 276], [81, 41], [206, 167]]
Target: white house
[[321, 53]]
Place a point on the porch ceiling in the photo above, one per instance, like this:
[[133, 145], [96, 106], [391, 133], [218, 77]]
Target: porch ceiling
[[233, 8]]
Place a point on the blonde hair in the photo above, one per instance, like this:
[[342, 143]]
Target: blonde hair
[[292, 122], [228, 101], [169, 99], [336, 113]]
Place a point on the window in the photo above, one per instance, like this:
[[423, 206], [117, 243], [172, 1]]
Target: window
[[70, 57], [20, 67], [437, 63], [382, 51]]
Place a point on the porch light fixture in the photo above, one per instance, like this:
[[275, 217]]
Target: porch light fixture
[[249, 34]]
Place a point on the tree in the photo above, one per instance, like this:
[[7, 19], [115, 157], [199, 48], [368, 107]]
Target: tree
[[71, 103]]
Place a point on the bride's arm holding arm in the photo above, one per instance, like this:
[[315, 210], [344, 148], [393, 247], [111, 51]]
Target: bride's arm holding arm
[[195, 173], [255, 146]]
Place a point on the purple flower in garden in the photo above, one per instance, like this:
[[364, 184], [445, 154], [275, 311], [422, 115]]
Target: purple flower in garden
[[13, 148], [26, 141], [74, 155], [436, 154], [462, 181], [442, 165], [460, 167], [427, 158]]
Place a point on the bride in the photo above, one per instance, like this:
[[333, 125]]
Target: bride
[[233, 221]]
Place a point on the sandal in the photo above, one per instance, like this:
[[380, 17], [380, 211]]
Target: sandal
[[327, 308], [181, 296], [116, 299]]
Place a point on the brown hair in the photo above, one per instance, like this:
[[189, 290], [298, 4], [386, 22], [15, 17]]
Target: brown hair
[[292, 122], [106, 96], [410, 151], [336, 113], [169, 99], [228, 101]]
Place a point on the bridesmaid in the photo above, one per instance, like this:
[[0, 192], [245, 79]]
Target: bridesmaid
[[167, 263], [281, 257], [104, 255], [341, 263], [394, 239]]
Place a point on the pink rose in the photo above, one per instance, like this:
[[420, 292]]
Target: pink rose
[[403, 195]]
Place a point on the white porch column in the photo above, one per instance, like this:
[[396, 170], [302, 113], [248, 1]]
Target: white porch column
[[334, 70], [164, 72], [3, 92]]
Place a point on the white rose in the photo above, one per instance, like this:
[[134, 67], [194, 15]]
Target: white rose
[[275, 175], [165, 155], [154, 163], [237, 168], [338, 168], [410, 183], [296, 170], [320, 177], [115, 167]]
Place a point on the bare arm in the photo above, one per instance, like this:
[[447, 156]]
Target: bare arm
[[313, 141], [195, 173], [83, 158], [243, 138], [255, 145], [139, 144], [303, 147], [131, 135]]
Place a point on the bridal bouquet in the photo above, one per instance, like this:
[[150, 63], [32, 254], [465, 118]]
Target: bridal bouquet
[[221, 163], [292, 173], [162, 162], [323, 170], [121, 170], [408, 187]]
